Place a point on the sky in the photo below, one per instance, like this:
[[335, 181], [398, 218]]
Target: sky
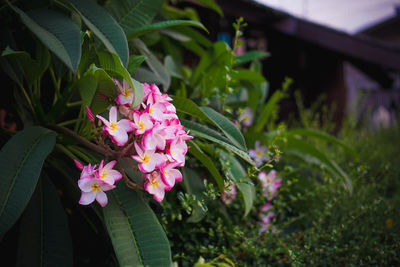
[[349, 16]]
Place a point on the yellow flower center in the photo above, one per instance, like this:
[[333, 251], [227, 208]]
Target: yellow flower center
[[95, 187], [125, 92], [103, 174], [151, 110], [113, 126], [154, 182], [145, 158], [245, 118], [141, 125], [258, 153]]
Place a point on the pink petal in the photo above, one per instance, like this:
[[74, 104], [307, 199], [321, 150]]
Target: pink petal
[[126, 125], [103, 120], [84, 184], [101, 197], [113, 114], [110, 165], [87, 198]]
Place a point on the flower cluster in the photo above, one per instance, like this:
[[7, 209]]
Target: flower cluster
[[151, 134], [270, 185], [95, 181], [259, 154]]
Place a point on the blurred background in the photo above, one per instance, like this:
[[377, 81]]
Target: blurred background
[[344, 50]]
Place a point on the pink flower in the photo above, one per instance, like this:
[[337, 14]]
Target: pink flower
[[169, 175], [229, 194], [154, 185], [155, 110], [125, 95], [117, 130], [269, 183], [107, 174], [156, 138], [92, 189], [266, 221], [88, 171], [177, 151], [142, 123], [148, 159], [258, 154], [246, 117]]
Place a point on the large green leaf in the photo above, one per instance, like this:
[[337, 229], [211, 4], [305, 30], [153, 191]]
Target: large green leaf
[[103, 26], [207, 162], [194, 186], [135, 62], [202, 131], [137, 236], [235, 171], [57, 31], [227, 127], [21, 160], [132, 14], [164, 24], [111, 62], [323, 136], [96, 82], [187, 106], [313, 155], [44, 238]]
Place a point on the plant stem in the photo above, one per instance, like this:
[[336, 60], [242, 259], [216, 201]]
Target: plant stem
[[74, 104]]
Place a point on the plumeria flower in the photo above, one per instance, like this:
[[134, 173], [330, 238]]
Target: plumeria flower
[[93, 189], [125, 95], [87, 171], [229, 194], [148, 159], [246, 117], [258, 154], [142, 123], [156, 138], [117, 130], [155, 110], [155, 185], [107, 174], [169, 175], [177, 151]]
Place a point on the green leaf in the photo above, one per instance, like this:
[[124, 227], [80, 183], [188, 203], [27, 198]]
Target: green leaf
[[194, 186], [227, 127], [235, 170], [322, 136], [250, 56], [211, 4], [164, 24], [145, 75], [248, 75], [96, 82], [187, 106], [207, 162], [155, 65], [57, 32], [44, 238], [202, 131], [132, 14], [111, 62], [137, 236], [103, 26], [267, 110], [21, 160], [311, 154], [135, 62]]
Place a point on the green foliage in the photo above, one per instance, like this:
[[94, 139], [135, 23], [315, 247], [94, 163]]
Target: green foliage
[[137, 236], [21, 161]]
